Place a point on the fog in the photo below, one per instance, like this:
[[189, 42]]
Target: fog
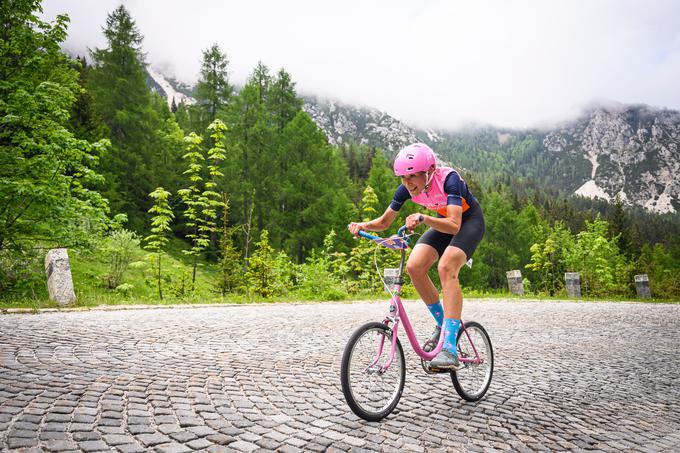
[[437, 64]]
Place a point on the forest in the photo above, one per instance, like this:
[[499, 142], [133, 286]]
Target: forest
[[240, 197]]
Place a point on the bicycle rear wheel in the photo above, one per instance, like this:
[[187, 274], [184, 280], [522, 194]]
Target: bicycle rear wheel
[[371, 394], [473, 379]]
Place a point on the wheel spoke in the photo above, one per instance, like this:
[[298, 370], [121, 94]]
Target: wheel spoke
[[473, 380], [371, 390]]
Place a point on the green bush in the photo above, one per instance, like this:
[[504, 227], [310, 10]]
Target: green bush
[[22, 273], [118, 249], [269, 273], [598, 260], [125, 289], [662, 269], [317, 281]]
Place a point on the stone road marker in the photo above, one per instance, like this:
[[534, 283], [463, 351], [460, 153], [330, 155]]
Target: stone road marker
[[642, 286], [59, 280], [515, 282], [572, 281]]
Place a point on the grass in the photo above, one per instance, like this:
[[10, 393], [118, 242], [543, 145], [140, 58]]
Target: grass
[[141, 287], [94, 298]]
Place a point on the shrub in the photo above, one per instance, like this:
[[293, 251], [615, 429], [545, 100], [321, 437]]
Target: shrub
[[118, 250]]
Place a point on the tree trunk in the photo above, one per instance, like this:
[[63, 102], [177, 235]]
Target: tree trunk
[[160, 291], [193, 276]]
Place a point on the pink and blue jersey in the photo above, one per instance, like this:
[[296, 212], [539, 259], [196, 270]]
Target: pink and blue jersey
[[446, 188]]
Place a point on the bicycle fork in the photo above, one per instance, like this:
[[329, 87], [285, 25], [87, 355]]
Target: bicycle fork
[[394, 318]]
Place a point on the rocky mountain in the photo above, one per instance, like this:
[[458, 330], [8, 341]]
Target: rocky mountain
[[634, 153], [629, 151], [343, 123], [169, 87]]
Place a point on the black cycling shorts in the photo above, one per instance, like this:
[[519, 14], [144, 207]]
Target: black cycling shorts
[[468, 238]]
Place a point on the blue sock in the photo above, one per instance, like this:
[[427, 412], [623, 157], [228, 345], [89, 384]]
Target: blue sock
[[452, 326], [437, 312]]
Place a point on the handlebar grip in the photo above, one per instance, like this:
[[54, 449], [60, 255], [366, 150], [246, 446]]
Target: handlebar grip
[[372, 237], [366, 235]]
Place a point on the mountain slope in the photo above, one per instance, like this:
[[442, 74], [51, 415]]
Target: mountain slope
[[633, 151], [629, 151], [343, 123], [169, 88]]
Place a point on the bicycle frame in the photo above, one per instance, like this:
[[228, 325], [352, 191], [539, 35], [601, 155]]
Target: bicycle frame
[[398, 314]]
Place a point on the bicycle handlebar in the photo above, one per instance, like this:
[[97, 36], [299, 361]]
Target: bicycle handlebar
[[393, 242], [366, 235]]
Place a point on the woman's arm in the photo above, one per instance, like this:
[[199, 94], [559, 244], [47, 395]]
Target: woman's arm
[[380, 224]]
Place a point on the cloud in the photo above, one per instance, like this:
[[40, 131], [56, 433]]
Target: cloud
[[430, 63]]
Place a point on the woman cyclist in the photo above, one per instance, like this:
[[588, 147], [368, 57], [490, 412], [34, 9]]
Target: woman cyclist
[[454, 234]]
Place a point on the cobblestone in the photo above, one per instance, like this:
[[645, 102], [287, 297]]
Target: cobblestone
[[568, 376]]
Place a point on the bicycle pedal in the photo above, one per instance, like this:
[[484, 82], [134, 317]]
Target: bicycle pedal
[[438, 370], [447, 370]]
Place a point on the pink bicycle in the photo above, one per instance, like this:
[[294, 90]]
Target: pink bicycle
[[373, 376]]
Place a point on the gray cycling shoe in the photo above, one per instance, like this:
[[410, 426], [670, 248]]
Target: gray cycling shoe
[[445, 360], [434, 340]]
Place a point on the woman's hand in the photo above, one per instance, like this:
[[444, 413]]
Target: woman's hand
[[414, 220], [355, 227]]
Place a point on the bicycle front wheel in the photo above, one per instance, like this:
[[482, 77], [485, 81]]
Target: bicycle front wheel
[[473, 380], [371, 393]]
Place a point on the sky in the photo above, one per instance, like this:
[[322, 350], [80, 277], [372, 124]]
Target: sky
[[439, 64]]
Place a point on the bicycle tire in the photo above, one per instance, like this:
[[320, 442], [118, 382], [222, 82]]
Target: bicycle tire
[[349, 387], [458, 375]]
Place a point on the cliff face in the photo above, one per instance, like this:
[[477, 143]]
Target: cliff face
[[633, 151], [343, 123]]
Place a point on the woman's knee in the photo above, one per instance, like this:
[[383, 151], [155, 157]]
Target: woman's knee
[[416, 269], [420, 261], [447, 270], [450, 264]]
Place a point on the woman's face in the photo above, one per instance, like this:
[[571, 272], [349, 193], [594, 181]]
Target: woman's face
[[414, 183]]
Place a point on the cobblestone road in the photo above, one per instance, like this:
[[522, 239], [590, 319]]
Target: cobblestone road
[[568, 376]]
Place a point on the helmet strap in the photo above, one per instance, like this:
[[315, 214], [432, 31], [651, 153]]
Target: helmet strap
[[429, 180]]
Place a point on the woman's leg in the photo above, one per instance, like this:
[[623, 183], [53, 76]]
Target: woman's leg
[[419, 262], [449, 266], [450, 263]]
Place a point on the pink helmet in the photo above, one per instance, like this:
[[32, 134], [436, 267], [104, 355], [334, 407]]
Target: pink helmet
[[413, 159]]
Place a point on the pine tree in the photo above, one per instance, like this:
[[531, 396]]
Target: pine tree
[[83, 121], [213, 89], [118, 80], [230, 269], [134, 118], [283, 102], [619, 226], [260, 273], [361, 256], [252, 141], [312, 196], [381, 179]]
